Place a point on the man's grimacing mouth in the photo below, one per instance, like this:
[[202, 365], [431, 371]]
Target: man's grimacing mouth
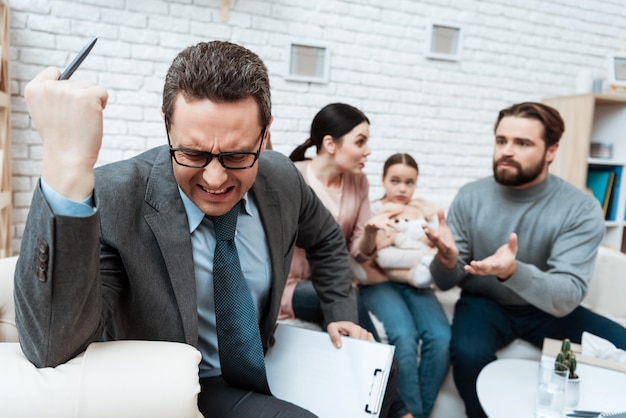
[[219, 191]]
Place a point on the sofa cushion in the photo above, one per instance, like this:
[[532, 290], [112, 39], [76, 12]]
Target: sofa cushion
[[112, 379], [26, 391], [8, 330], [608, 285]]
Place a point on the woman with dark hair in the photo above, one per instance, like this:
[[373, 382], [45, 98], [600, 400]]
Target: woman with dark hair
[[340, 134], [334, 120]]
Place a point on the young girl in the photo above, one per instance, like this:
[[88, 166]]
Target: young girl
[[412, 317], [406, 253]]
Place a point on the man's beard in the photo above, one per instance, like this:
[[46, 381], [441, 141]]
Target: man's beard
[[522, 177]]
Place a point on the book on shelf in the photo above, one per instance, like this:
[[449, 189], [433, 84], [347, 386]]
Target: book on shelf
[[607, 195], [604, 183], [615, 193]]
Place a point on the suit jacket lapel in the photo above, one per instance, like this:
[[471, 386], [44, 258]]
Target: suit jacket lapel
[[268, 202], [171, 229]]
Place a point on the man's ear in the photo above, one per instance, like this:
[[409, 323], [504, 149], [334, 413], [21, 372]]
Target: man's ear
[[267, 141], [551, 153]]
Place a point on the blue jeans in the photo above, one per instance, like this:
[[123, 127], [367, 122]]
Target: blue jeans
[[306, 306], [411, 317], [482, 326]]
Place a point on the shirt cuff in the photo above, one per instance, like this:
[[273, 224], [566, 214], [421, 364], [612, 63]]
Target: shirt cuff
[[65, 207]]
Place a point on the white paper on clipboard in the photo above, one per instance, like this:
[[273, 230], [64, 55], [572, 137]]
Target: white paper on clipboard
[[303, 367]]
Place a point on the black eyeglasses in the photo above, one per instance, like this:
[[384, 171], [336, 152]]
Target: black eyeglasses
[[200, 159]]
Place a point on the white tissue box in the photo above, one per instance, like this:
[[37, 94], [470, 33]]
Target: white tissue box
[[552, 347]]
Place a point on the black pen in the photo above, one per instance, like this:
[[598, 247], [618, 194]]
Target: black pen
[[69, 70], [584, 414]]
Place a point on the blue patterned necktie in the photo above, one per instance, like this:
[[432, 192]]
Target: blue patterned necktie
[[238, 336]]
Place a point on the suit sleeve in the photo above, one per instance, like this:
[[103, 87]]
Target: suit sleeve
[[57, 289]]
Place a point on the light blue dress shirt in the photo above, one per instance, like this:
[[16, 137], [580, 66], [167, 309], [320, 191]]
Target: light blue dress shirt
[[251, 246], [66, 207], [254, 257]]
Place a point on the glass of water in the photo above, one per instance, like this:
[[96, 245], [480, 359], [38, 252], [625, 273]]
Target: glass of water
[[551, 389]]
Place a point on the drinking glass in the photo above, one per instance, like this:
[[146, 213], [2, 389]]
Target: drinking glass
[[551, 389]]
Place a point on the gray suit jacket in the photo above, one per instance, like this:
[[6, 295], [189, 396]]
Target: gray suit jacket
[[127, 272]]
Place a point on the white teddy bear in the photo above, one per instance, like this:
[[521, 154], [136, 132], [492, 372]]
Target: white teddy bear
[[407, 256], [411, 250], [411, 234]]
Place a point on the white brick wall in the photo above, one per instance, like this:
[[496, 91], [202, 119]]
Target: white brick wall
[[441, 112]]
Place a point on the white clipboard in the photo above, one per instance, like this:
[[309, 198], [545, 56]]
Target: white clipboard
[[304, 368]]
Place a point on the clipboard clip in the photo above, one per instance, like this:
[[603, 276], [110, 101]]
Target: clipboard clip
[[376, 392]]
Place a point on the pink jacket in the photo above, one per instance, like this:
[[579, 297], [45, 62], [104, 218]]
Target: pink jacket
[[354, 211]]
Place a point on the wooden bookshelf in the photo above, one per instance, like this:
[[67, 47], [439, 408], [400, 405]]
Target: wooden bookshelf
[[5, 135], [593, 118]]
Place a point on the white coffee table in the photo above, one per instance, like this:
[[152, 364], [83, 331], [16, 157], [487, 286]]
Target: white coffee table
[[506, 388]]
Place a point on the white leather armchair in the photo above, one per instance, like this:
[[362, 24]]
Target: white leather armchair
[[110, 379]]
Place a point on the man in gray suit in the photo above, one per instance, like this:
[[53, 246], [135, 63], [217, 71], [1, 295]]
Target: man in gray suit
[[125, 251]]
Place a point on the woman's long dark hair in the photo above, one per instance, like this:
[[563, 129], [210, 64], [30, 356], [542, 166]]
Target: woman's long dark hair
[[336, 120]]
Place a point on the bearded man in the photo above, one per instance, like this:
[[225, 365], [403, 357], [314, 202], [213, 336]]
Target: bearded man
[[522, 246]]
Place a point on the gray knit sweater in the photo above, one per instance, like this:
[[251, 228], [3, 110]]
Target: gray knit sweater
[[559, 229]]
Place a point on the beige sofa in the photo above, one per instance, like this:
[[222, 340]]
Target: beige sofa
[[606, 296], [160, 379], [113, 379]]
